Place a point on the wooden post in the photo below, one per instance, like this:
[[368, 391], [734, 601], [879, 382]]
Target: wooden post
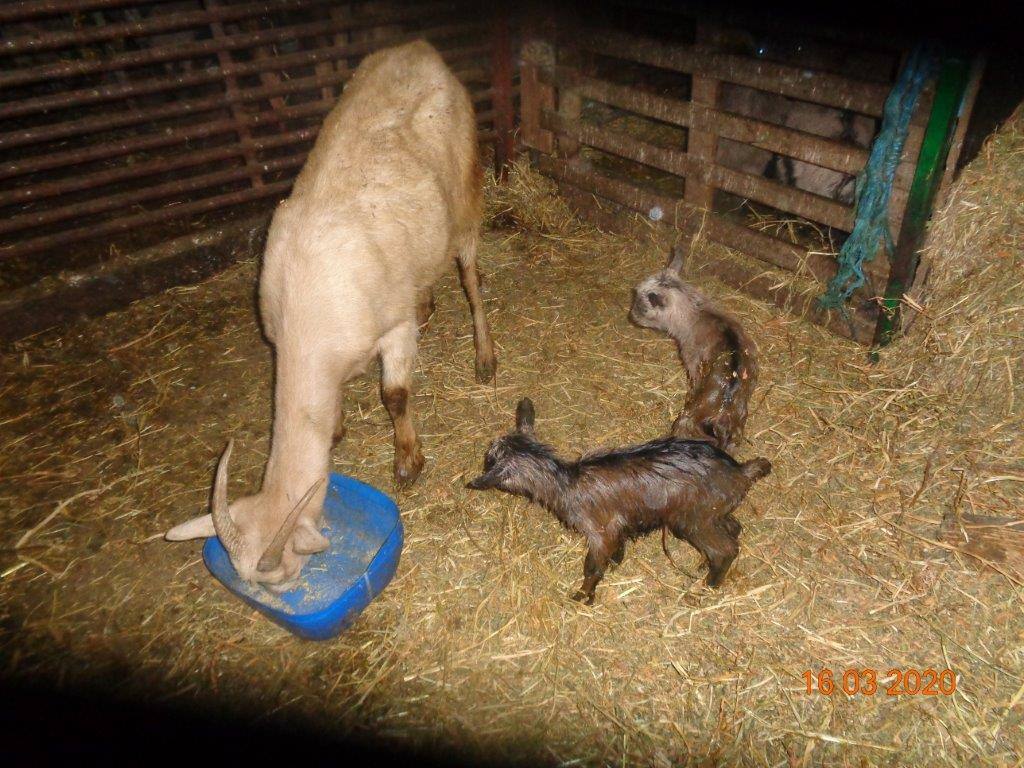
[[501, 87], [538, 53], [702, 145]]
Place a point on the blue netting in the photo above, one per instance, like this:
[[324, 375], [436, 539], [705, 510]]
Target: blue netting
[[874, 184]]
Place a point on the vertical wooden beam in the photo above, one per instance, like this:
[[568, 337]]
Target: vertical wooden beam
[[538, 52], [702, 145], [502, 99]]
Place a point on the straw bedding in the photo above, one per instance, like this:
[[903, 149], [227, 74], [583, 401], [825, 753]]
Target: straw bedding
[[110, 430]]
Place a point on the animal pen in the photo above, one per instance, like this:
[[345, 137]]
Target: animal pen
[[143, 146]]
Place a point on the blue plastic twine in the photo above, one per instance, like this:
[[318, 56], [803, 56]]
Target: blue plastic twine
[[874, 183]]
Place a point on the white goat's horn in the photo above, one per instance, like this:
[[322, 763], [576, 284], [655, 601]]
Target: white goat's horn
[[272, 555], [228, 533]]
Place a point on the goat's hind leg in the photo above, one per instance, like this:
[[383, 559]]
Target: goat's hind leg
[[424, 307], [594, 567], [715, 541], [486, 363], [397, 357]]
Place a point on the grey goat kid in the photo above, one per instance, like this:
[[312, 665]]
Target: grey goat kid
[[720, 359], [689, 487]]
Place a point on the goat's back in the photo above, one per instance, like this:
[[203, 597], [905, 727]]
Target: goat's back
[[389, 192], [404, 124]]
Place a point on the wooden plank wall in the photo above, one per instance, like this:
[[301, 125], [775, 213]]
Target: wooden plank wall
[[571, 85]]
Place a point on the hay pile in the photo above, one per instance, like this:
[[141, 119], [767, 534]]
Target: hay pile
[[110, 431]]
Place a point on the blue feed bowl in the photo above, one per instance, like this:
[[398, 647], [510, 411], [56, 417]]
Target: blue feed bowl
[[365, 532]]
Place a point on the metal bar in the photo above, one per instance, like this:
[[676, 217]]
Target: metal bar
[[27, 9], [112, 202], [210, 47], [34, 193], [120, 120], [99, 94], [124, 278], [52, 39], [92, 231], [30, 194], [171, 137], [46, 242], [211, 103], [949, 96], [963, 121], [232, 90]]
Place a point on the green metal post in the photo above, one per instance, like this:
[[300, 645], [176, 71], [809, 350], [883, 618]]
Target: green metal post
[[949, 96]]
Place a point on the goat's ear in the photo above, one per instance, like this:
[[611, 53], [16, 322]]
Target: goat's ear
[[307, 540], [677, 259], [525, 416], [197, 528]]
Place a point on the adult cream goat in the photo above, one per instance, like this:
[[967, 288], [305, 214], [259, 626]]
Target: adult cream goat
[[390, 193]]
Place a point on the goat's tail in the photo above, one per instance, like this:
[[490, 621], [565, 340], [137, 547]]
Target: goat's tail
[[755, 469]]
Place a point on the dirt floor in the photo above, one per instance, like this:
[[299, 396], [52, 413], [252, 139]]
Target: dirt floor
[[110, 431]]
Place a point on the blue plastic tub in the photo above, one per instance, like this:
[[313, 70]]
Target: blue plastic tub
[[365, 532]]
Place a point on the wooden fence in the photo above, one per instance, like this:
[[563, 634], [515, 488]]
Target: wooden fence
[[118, 117], [640, 120]]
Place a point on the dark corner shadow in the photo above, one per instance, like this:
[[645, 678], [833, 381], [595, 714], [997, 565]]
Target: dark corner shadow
[[41, 724]]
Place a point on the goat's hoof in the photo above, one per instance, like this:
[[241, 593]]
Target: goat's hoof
[[583, 597], [408, 468], [485, 370]]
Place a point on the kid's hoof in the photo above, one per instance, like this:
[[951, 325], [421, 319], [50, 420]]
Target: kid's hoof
[[583, 597], [408, 468], [485, 370]]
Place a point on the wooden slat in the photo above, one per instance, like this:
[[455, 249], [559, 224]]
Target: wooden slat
[[676, 161], [678, 213], [750, 279], [820, 88]]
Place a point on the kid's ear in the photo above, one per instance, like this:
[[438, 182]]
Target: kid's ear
[[677, 259], [525, 415]]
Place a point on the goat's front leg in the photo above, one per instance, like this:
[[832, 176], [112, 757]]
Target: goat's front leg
[[397, 357], [593, 569], [486, 363]]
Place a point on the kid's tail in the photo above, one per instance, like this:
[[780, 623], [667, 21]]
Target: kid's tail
[[755, 469]]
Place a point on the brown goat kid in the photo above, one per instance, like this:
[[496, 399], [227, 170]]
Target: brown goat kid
[[720, 359], [689, 487], [389, 197]]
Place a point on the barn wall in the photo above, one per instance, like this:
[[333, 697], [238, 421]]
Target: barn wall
[[124, 123]]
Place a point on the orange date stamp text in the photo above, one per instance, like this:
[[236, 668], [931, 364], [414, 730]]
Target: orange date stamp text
[[868, 682]]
